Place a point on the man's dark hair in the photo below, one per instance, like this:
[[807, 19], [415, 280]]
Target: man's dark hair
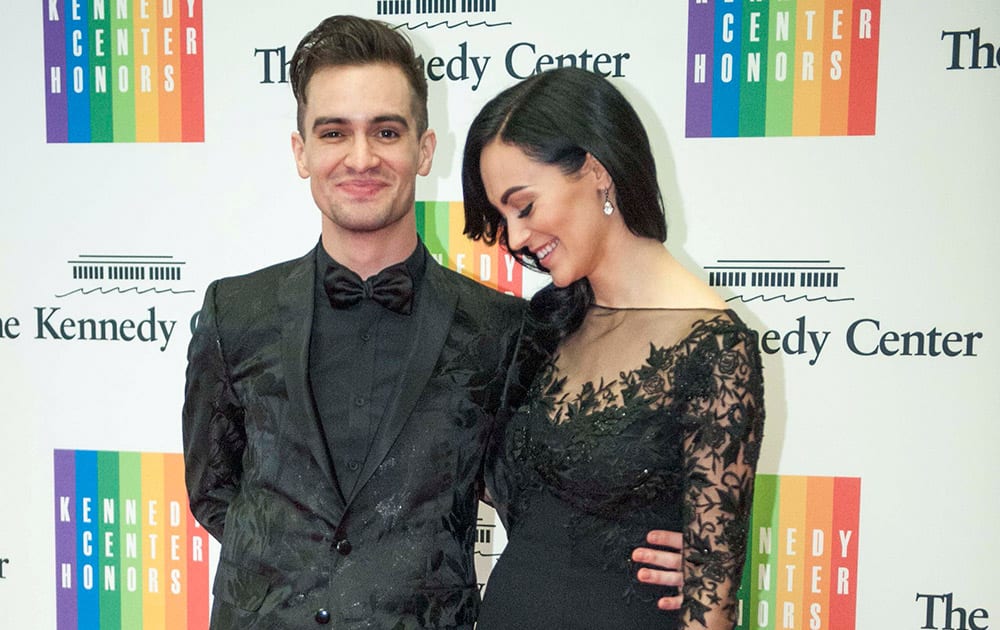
[[348, 40]]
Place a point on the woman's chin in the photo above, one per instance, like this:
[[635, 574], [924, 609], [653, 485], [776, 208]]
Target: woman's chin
[[562, 280]]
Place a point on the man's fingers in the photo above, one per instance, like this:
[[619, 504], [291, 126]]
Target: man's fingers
[[660, 578], [663, 538], [657, 557], [670, 603], [667, 563]]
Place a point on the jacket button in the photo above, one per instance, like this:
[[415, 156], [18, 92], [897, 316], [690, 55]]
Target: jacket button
[[343, 547], [322, 616]]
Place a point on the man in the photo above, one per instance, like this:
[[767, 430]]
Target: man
[[337, 405]]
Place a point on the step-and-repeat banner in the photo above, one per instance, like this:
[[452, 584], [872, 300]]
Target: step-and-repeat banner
[[828, 165]]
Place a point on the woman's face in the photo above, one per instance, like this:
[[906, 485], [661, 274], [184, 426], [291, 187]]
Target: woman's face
[[557, 217]]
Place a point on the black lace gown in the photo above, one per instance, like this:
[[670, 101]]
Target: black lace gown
[[645, 418]]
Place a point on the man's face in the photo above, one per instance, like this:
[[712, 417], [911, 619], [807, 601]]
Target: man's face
[[359, 147]]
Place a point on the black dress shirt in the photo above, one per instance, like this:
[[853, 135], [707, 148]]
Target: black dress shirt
[[354, 358]]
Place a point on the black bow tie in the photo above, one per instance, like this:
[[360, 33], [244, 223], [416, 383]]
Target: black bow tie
[[392, 288]]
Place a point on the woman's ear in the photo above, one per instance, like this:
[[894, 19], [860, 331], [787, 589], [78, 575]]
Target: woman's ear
[[592, 166]]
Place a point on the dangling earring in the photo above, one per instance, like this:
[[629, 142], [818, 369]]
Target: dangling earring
[[608, 208]]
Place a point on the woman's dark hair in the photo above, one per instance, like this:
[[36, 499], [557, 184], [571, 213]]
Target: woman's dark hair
[[557, 117]]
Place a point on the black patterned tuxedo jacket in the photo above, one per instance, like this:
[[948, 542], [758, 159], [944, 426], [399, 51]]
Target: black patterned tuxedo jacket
[[398, 551]]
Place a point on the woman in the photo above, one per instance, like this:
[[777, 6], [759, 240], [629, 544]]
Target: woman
[[636, 399]]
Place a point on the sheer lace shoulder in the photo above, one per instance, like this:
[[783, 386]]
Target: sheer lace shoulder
[[612, 343]]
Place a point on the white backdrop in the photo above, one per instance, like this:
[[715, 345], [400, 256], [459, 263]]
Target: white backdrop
[[906, 219]]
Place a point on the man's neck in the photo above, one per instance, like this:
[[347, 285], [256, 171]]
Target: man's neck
[[367, 253]]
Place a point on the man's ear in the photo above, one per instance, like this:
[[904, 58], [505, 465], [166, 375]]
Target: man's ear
[[428, 142], [299, 153]]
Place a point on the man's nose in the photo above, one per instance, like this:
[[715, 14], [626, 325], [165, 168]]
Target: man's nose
[[360, 156]]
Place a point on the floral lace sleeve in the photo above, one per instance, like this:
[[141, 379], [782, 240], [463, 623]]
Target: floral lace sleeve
[[719, 387]]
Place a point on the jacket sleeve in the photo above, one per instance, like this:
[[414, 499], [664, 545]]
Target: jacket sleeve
[[213, 424], [522, 359]]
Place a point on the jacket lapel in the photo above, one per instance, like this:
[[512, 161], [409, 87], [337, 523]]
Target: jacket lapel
[[295, 305], [434, 308]]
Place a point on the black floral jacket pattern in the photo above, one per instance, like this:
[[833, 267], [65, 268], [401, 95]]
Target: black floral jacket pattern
[[398, 552]]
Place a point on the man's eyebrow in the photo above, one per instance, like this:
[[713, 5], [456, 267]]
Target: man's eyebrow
[[329, 120], [510, 191], [377, 120], [392, 118]]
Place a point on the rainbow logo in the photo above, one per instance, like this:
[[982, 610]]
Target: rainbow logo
[[124, 71], [802, 557], [782, 67], [129, 554], [440, 224]]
